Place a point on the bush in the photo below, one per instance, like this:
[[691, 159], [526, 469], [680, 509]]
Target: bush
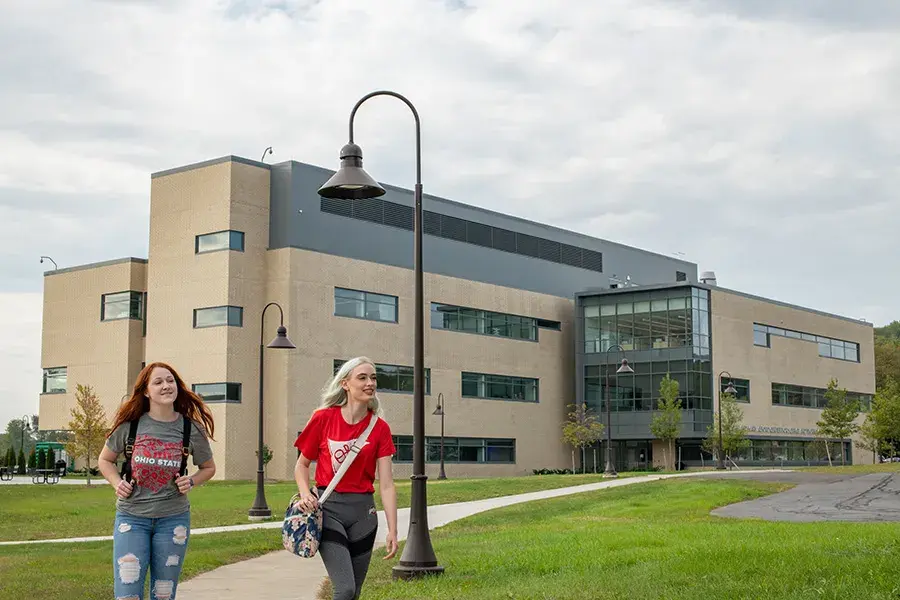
[[51, 459], [40, 460], [552, 471], [21, 462]]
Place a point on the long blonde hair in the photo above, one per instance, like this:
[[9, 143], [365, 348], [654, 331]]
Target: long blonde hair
[[334, 395]]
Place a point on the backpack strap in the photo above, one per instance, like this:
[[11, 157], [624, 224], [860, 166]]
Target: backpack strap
[[129, 450], [185, 445]]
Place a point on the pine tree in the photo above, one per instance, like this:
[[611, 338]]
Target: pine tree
[[20, 461], [88, 426]]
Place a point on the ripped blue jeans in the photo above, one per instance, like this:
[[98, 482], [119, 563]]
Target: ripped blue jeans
[[140, 543]]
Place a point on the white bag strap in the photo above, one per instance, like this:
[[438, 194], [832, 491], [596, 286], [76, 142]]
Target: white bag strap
[[354, 450]]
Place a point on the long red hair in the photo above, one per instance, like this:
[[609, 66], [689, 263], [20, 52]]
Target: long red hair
[[186, 402]]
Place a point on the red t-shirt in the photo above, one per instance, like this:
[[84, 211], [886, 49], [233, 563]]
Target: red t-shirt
[[327, 439]]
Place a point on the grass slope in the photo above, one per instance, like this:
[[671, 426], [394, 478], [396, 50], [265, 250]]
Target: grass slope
[[652, 541]]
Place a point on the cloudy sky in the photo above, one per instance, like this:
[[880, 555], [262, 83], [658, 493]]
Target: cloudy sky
[[757, 138]]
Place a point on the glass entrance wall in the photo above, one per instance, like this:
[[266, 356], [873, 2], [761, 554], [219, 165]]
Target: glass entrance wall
[[660, 331]]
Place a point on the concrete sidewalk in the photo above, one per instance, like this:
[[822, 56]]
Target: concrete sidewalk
[[282, 576]]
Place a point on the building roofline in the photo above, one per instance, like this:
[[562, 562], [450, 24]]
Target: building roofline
[[96, 265], [209, 163], [495, 213], [666, 286]]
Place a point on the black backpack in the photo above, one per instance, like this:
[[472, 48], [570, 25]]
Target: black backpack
[[129, 448]]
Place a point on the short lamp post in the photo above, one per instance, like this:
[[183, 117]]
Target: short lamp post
[[730, 389], [260, 510], [439, 411], [351, 182], [610, 470]]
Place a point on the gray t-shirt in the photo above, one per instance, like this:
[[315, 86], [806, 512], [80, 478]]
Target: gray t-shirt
[[155, 464]]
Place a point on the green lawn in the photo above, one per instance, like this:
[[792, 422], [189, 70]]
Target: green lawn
[[652, 541], [34, 512], [61, 572]]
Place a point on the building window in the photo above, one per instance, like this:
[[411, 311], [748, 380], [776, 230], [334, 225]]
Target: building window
[[216, 316], [365, 305], [485, 322], [54, 380], [393, 378], [741, 386], [640, 391], [680, 276], [212, 393], [220, 240], [784, 394], [499, 387], [459, 449], [547, 324], [657, 320], [828, 347], [122, 305], [784, 451]]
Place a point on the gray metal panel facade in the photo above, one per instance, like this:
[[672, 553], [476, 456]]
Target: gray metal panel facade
[[297, 221]]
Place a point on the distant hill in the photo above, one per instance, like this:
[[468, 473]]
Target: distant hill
[[889, 332]]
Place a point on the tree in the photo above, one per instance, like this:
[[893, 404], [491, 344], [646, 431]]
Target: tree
[[88, 426], [32, 459], [734, 433], [880, 432], [836, 421], [667, 420], [20, 461], [41, 459], [267, 456], [581, 430], [887, 360], [10, 457], [14, 433]]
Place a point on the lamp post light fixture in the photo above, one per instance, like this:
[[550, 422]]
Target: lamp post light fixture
[[51, 260], [351, 182], [730, 389], [610, 470], [260, 510], [439, 411]]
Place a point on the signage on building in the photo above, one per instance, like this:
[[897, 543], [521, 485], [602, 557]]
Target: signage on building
[[783, 430]]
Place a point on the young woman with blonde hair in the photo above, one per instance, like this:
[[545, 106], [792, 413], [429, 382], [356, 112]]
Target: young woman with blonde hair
[[157, 428], [347, 407]]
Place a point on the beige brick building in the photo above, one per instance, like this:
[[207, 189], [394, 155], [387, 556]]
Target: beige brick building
[[504, 345]]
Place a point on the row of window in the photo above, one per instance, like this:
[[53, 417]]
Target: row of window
[[458, 449], [384, 212], [828, 347], [767, 450], [663, 319], [383, 307], [785, 394]]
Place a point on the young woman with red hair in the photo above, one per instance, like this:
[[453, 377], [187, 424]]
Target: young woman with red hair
[[157, 428]]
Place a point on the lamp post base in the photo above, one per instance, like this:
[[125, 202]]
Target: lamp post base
[[412, 571], [610, 474], [259, 514]]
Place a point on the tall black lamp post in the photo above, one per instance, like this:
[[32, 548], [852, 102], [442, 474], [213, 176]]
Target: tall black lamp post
[[720, 463], [610, 470], [439, 411], [351, 182], [260, 510]]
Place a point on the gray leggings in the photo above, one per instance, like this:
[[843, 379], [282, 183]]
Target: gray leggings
[[348, 535]]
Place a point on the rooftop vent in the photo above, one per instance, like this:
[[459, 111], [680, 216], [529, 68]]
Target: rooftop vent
[[708, 277]]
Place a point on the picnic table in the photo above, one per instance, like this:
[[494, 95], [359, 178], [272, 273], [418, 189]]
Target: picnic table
[[6, 473], [48, 476]]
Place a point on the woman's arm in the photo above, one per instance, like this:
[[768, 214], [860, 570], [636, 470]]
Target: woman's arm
[[389, 502], [205, 472], [308, 500], [106, 463]]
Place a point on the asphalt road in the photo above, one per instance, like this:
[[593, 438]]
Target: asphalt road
[[822, 497]]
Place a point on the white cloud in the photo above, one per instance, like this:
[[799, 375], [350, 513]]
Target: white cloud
[[760, 141]]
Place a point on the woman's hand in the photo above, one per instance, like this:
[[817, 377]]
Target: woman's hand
[[124, 489], [390, 544], [308, 501], [184, 483]]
